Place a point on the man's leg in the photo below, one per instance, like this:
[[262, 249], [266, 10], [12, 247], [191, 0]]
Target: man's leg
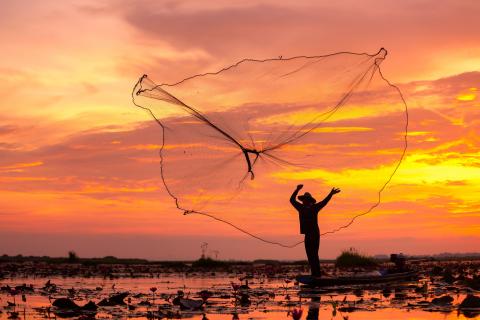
[[311, 248], [315, 258], [308, 252]]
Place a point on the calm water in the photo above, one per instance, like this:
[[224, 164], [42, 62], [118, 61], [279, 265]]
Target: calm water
[[266, 298]]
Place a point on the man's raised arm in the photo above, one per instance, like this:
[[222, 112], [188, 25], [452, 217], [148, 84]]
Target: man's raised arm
[[293, 197], [324, 202]]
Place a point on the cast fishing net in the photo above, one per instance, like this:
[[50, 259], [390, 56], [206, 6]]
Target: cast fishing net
[[236, 142]]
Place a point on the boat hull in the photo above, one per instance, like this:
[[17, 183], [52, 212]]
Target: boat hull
[[325, 282]]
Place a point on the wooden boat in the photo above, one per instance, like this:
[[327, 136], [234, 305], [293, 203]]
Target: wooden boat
[[340, 281]]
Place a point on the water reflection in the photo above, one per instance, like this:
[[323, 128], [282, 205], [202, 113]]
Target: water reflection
[[236, 295], [313, 309]]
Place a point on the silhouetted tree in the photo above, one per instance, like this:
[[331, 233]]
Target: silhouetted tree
[[72, 256]]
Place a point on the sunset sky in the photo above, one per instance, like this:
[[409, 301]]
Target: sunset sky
[[79, 162]]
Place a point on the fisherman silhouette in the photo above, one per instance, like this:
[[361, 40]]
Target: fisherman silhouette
[[308, 214]]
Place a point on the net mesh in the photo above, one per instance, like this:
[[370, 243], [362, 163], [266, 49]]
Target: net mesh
[[235, 143]]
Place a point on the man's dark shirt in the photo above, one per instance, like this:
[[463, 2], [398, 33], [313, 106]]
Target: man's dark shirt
[[308, 216]]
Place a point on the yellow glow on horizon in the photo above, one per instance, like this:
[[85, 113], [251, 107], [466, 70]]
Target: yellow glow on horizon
[[312, 115], [20, 166], [315, 116], [108, 189], [146, 147], [341, 129], [418, 133], [468, 96], [416, 169]]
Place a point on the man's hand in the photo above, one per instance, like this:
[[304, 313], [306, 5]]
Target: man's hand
[[300, 186], [334, 191]]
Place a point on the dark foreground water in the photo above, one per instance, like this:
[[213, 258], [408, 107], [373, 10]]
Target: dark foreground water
[[245, 292]]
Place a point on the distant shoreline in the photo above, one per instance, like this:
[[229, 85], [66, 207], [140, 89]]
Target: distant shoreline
[[114, 260]]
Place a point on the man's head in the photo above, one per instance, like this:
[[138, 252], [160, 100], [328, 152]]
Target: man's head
[[307, 199]]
